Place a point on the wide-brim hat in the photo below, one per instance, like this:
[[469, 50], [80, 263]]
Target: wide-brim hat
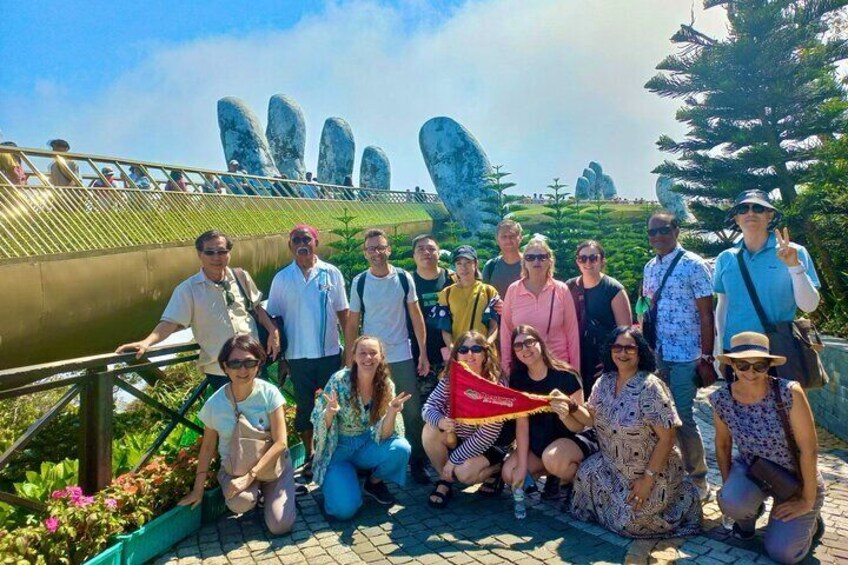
[[750, 345]]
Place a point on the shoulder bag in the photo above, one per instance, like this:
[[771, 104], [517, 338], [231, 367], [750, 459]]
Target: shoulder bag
[[247, 446], [777, 480], [649, 320], [797, 340], [262, 331]]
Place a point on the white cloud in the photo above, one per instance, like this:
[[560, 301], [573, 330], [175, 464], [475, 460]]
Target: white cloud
[[546, 86]]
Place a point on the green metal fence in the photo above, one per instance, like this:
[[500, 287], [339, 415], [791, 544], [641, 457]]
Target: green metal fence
[[38, 218]]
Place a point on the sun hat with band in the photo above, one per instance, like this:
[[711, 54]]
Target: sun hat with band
[[750, 345], [753, 197]]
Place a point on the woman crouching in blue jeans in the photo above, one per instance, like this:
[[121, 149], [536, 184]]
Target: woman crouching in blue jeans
[[358, 426]]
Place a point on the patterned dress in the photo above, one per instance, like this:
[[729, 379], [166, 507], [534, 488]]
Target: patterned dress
[[623, 424]]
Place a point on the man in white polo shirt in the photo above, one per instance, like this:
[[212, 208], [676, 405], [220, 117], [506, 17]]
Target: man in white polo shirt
[[309, 295], [212, 304], [383, 301]]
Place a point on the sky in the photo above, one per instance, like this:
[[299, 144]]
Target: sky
[[544, 85]]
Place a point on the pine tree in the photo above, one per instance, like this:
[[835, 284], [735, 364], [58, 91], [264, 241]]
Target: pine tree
[[349, 258], [756, 103], [499, 206]]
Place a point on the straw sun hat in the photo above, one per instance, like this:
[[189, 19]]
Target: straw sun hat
[[750, 345]]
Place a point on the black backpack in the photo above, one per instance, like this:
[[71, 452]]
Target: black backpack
[[360, 290]]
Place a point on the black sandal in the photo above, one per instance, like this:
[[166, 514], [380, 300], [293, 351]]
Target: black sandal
[[442, 498], [493, 486]]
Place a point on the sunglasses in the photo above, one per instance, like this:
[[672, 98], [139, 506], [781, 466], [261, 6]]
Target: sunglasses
[[759, 366], [464, 349], [745, 208], [228, 293], [665, 230], [593, 258], [527, 343], [301, 240], [616, 348], [239, 363], [213, 252], [376, 248], [533, 257]]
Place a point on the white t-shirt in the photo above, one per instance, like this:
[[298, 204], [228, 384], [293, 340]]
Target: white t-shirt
[[385, 311], [308, 308], [217, 413]]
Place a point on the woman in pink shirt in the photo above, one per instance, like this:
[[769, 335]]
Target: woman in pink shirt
[[537, 300]]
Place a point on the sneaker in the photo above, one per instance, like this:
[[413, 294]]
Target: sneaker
[[379, 492], [705, 493], [419, 473], [741, 534]]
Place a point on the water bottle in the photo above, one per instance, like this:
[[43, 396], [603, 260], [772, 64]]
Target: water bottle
[[520, 505]]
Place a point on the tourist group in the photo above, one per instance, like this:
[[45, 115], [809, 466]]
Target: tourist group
[[621, 446]]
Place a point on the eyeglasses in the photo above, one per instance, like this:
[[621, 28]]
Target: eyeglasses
[[759, 366], [228, 294], [665, 230], [745, 208], [617, 348], [376, 248], [239, 363], [213, 252], [593, 258], [527, 343], [464, 349], [301, 240], [533, 257]]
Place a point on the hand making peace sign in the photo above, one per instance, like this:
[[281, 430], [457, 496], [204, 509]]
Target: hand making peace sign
[[332, 403], [396, 405], [785, 252]]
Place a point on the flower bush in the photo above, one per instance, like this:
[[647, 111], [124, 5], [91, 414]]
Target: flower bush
[[78, 526]]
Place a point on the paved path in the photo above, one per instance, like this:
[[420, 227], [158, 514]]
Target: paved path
[[478, 530]]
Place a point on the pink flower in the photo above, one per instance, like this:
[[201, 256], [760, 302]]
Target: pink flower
[[111, 503], [83, 500], [52, 524], [58, 494], [74, 492]]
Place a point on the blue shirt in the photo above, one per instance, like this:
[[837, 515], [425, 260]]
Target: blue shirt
[[772, 281], [678, 319]]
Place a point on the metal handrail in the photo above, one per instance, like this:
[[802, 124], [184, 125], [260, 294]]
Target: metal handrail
[[38, 218], [92, 380]]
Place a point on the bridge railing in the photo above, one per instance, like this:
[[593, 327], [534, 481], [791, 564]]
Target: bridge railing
[[91, 381], [144, 204]]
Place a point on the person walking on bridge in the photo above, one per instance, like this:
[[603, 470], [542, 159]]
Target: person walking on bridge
[[216, 304], [309, 295]]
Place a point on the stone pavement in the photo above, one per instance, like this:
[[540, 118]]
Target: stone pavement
[[474, 529]]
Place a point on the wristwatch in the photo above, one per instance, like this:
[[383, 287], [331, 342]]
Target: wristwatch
[[707, 358], [252, 474], [650, 473]]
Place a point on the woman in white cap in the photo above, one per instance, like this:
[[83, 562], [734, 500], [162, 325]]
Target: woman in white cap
[[770, 422], [782, 272]]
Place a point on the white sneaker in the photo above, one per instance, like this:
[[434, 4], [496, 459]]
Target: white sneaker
[[705, 493]]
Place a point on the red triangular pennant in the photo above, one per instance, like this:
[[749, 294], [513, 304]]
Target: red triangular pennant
[[474, 400]]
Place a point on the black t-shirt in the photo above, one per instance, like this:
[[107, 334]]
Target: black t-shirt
[[428, 299], [599, 303], [545, 427]]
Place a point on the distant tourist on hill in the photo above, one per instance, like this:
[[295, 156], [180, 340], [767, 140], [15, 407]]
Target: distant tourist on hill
[[782, 273], [306, 190], [10, 165], [309, 295], [63, 172], [601, 304], [358, 426], [212, 184], [505, 269], [138, 178], [237, 185], [678, 290], [384, 300], [244, 481], [176, 182], [109, 176], [217, 303]]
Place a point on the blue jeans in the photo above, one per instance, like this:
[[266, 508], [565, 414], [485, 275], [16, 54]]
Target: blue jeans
[[342, 495], [785, 542], [681, 379]]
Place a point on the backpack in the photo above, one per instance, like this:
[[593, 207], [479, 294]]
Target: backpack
[[488, 269], [404, 282]]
